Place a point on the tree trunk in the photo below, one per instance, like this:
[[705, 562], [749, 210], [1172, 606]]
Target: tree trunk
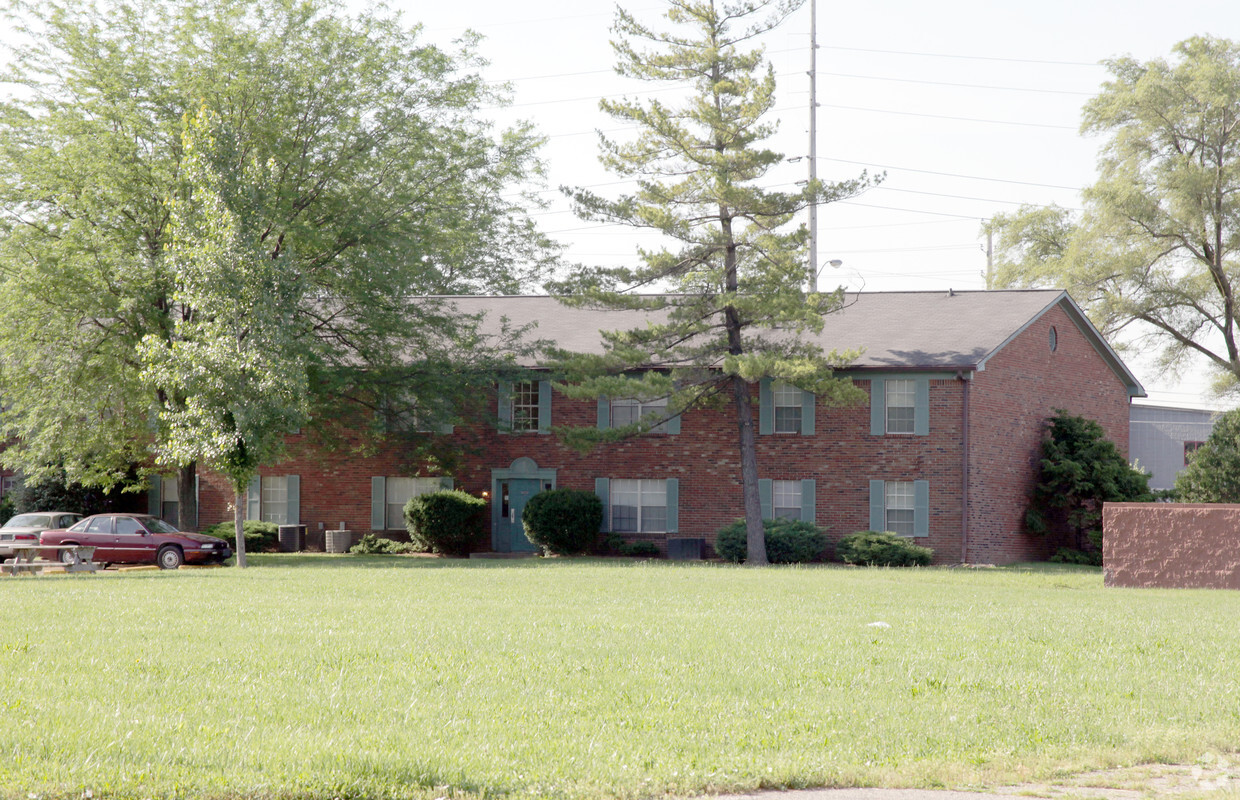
[[239, 500], [187, 497], [755, 533]]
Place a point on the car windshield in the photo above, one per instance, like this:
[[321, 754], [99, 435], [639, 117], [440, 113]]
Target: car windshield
[[29, 521], [157, 525]]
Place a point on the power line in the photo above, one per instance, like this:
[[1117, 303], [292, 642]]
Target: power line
[[951, 174], [956, 85], [958, 119], [970, 58]]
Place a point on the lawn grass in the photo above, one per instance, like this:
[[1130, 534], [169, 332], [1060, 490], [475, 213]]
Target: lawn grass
[[375, 677]]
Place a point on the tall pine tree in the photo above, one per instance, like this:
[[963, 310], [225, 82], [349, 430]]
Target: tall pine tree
[[733, 308]]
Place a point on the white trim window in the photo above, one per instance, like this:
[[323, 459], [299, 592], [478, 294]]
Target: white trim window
[[901, 397], [399, 491], [275, 499], [638, 506], [786, 400], [525, 406], [900, 507], [629, 410], [786, 499]]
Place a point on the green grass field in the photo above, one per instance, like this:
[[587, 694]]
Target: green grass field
[[373, 677]]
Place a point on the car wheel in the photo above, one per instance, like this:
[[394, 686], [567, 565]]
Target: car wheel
[[66, 556], [170, 557]]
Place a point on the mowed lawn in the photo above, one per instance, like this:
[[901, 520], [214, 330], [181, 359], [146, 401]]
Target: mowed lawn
[[373, 677]]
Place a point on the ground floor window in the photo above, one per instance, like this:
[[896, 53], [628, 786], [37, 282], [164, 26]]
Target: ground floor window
[[786, 499], [901, 507], [399, 491], [638, 506], [901, 510]]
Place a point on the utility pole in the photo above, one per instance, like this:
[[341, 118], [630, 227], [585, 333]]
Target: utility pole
[[813, 143], [990, 256]]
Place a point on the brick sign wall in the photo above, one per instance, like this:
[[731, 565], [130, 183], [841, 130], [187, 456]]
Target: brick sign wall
[[1171, 545]]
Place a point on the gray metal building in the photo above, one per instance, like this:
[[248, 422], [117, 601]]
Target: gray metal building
[[1160, 438]]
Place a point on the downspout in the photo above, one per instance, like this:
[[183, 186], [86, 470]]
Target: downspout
[[964, 469]]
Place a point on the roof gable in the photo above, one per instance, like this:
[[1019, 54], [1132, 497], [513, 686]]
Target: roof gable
[[935, 331]]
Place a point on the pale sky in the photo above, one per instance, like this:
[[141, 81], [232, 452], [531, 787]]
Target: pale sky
[[971, 107]]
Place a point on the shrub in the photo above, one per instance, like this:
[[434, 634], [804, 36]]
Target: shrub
[[448, 521], [639, 549], [260, 537], [882, 549], [563, 521], [375, 545], [788, 541], [1067, 555]]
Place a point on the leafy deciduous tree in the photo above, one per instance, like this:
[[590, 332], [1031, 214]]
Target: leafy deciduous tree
[[734, 308], [372, 179], [1213, 471], [1154, 254]]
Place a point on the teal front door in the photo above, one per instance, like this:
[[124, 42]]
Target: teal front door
[[514, 494]]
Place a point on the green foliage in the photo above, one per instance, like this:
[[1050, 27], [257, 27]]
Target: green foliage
[[1068, 555], [736, 269], [787, 542], [882, 549], [377, 545], [1156, 242], [7, 508], [1080, 470], [260, 537], [213, 273], [563, 521], [1213, 471], [615, 543], [448, 522], [53, 492]]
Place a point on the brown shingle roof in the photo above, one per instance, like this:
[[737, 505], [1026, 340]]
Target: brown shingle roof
[[897, 330]]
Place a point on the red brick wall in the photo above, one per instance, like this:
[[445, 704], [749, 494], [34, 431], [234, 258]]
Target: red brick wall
[[1171, 545], [842, 458], [1009, 401]]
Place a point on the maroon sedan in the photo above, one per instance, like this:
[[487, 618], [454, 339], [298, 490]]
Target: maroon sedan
[[137, 539]]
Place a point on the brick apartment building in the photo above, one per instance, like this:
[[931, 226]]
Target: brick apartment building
[[959, 384]]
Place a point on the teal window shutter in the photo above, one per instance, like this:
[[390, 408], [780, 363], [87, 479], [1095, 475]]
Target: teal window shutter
[[921, 508], [293, 510], [604, 413], [809, 505], [921, 407], [254, 498], [766, 407], [446, 484], [808, 402], [878, 408], [878, 506], [544, 406], [154, 498], [378, 503], [673, 425], [673, 505], [505, 406], [765, 492], [602, 488]]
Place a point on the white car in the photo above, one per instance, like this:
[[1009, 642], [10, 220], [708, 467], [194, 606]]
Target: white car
[[27, 527]]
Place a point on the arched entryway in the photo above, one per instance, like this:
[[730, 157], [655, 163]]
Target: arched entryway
[[511, 489]]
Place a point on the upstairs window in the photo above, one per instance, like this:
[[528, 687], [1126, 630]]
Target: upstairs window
[[629, 410], [788, 402], [525, 406], [901, 405]]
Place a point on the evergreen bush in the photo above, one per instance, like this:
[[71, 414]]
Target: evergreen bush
[[260, 537], [563, 521], [448, 522], [377, 545], [882, 549], [788, 541]]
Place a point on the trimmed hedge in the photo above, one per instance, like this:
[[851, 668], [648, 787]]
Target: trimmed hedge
[[448, 521], [375, 545], [788, 541], [882, 549], [260, 537], [563, 521]]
